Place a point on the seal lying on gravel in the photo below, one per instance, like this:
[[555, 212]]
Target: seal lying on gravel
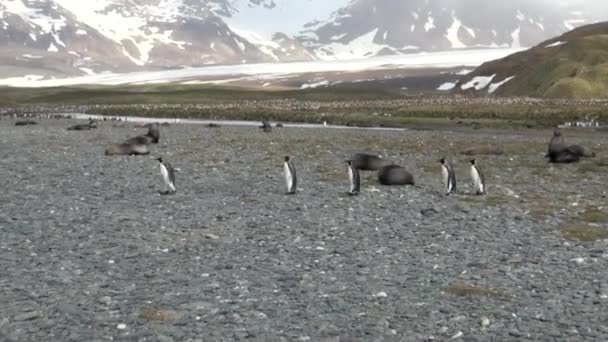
[[151, 137], [394, 175], [367, 162], [84, 127], [25, 123], [559, 152], [127, 149]]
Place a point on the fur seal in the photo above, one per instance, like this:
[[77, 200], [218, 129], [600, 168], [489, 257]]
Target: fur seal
[[151, 137], [394, 175], [127, 149], [367, 162]]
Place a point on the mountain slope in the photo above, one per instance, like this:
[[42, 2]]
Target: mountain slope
[[573, 65], [63, 37], [376, 27]]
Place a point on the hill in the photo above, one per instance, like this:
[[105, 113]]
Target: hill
[[573, 65]]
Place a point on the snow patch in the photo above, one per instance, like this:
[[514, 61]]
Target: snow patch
[[446, 86], [53, 48], [452, 34], [361, 47], [323, 83], [493, 86], [558, 43], [430, 24], [88, 71], [81, 32], [27, 55], [515, 38], [478, 82]]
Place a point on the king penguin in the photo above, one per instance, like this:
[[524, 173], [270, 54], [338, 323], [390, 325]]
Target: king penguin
[[168, 174], [479, 184], [353, 177], [448, 176], [291, 181]]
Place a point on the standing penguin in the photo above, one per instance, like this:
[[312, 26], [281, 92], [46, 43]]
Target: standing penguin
[[353, 177], [291, 181], [448, 176], [479, 183], [166, 170]]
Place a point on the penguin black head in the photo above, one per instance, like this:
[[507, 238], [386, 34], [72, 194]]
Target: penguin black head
[[472, 161], [160, 159], [557, 132], [287, 158], [349, 162], [442, 160]]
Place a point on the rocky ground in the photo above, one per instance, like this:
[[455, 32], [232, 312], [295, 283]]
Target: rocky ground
[[89, 251]]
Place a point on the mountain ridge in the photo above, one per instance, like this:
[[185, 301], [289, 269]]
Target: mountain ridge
[[55, 38]]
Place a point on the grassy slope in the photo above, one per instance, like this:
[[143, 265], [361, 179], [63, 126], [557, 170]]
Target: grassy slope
[[576, 69]]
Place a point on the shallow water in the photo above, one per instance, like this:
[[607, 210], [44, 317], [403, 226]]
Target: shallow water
[[81, 116]]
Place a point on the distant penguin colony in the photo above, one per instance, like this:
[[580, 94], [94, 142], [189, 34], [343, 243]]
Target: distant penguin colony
[[168, 174], [448, 176], [353, 177], [291, 180], [479, 184]]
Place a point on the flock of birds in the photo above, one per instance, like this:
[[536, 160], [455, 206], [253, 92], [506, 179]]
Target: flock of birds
[[388, 173]]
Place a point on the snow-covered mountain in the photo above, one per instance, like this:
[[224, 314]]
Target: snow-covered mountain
[[58, 37], [378, 27], [55, 38]]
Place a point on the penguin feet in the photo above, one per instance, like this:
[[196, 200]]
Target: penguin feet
[[353, 193], [167, 192], [290, 193]]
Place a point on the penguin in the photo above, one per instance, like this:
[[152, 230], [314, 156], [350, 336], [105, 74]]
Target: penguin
[[353, 177], [448, 176], [168, 174], [479, 183], [291, 181]]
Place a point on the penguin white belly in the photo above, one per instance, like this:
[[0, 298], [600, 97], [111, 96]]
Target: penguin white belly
[[288, 177], [165, 173], [445, 177], [351, 179], [477, 183]]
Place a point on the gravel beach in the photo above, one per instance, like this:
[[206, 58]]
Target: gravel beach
[[89, 250]]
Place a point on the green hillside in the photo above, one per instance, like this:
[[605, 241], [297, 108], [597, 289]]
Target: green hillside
[[574, 65]]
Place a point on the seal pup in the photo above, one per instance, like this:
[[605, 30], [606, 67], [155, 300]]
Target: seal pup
[[166, 170], [353, 177], [291, 180], [479, 183], [394, 175], [448, 176]]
